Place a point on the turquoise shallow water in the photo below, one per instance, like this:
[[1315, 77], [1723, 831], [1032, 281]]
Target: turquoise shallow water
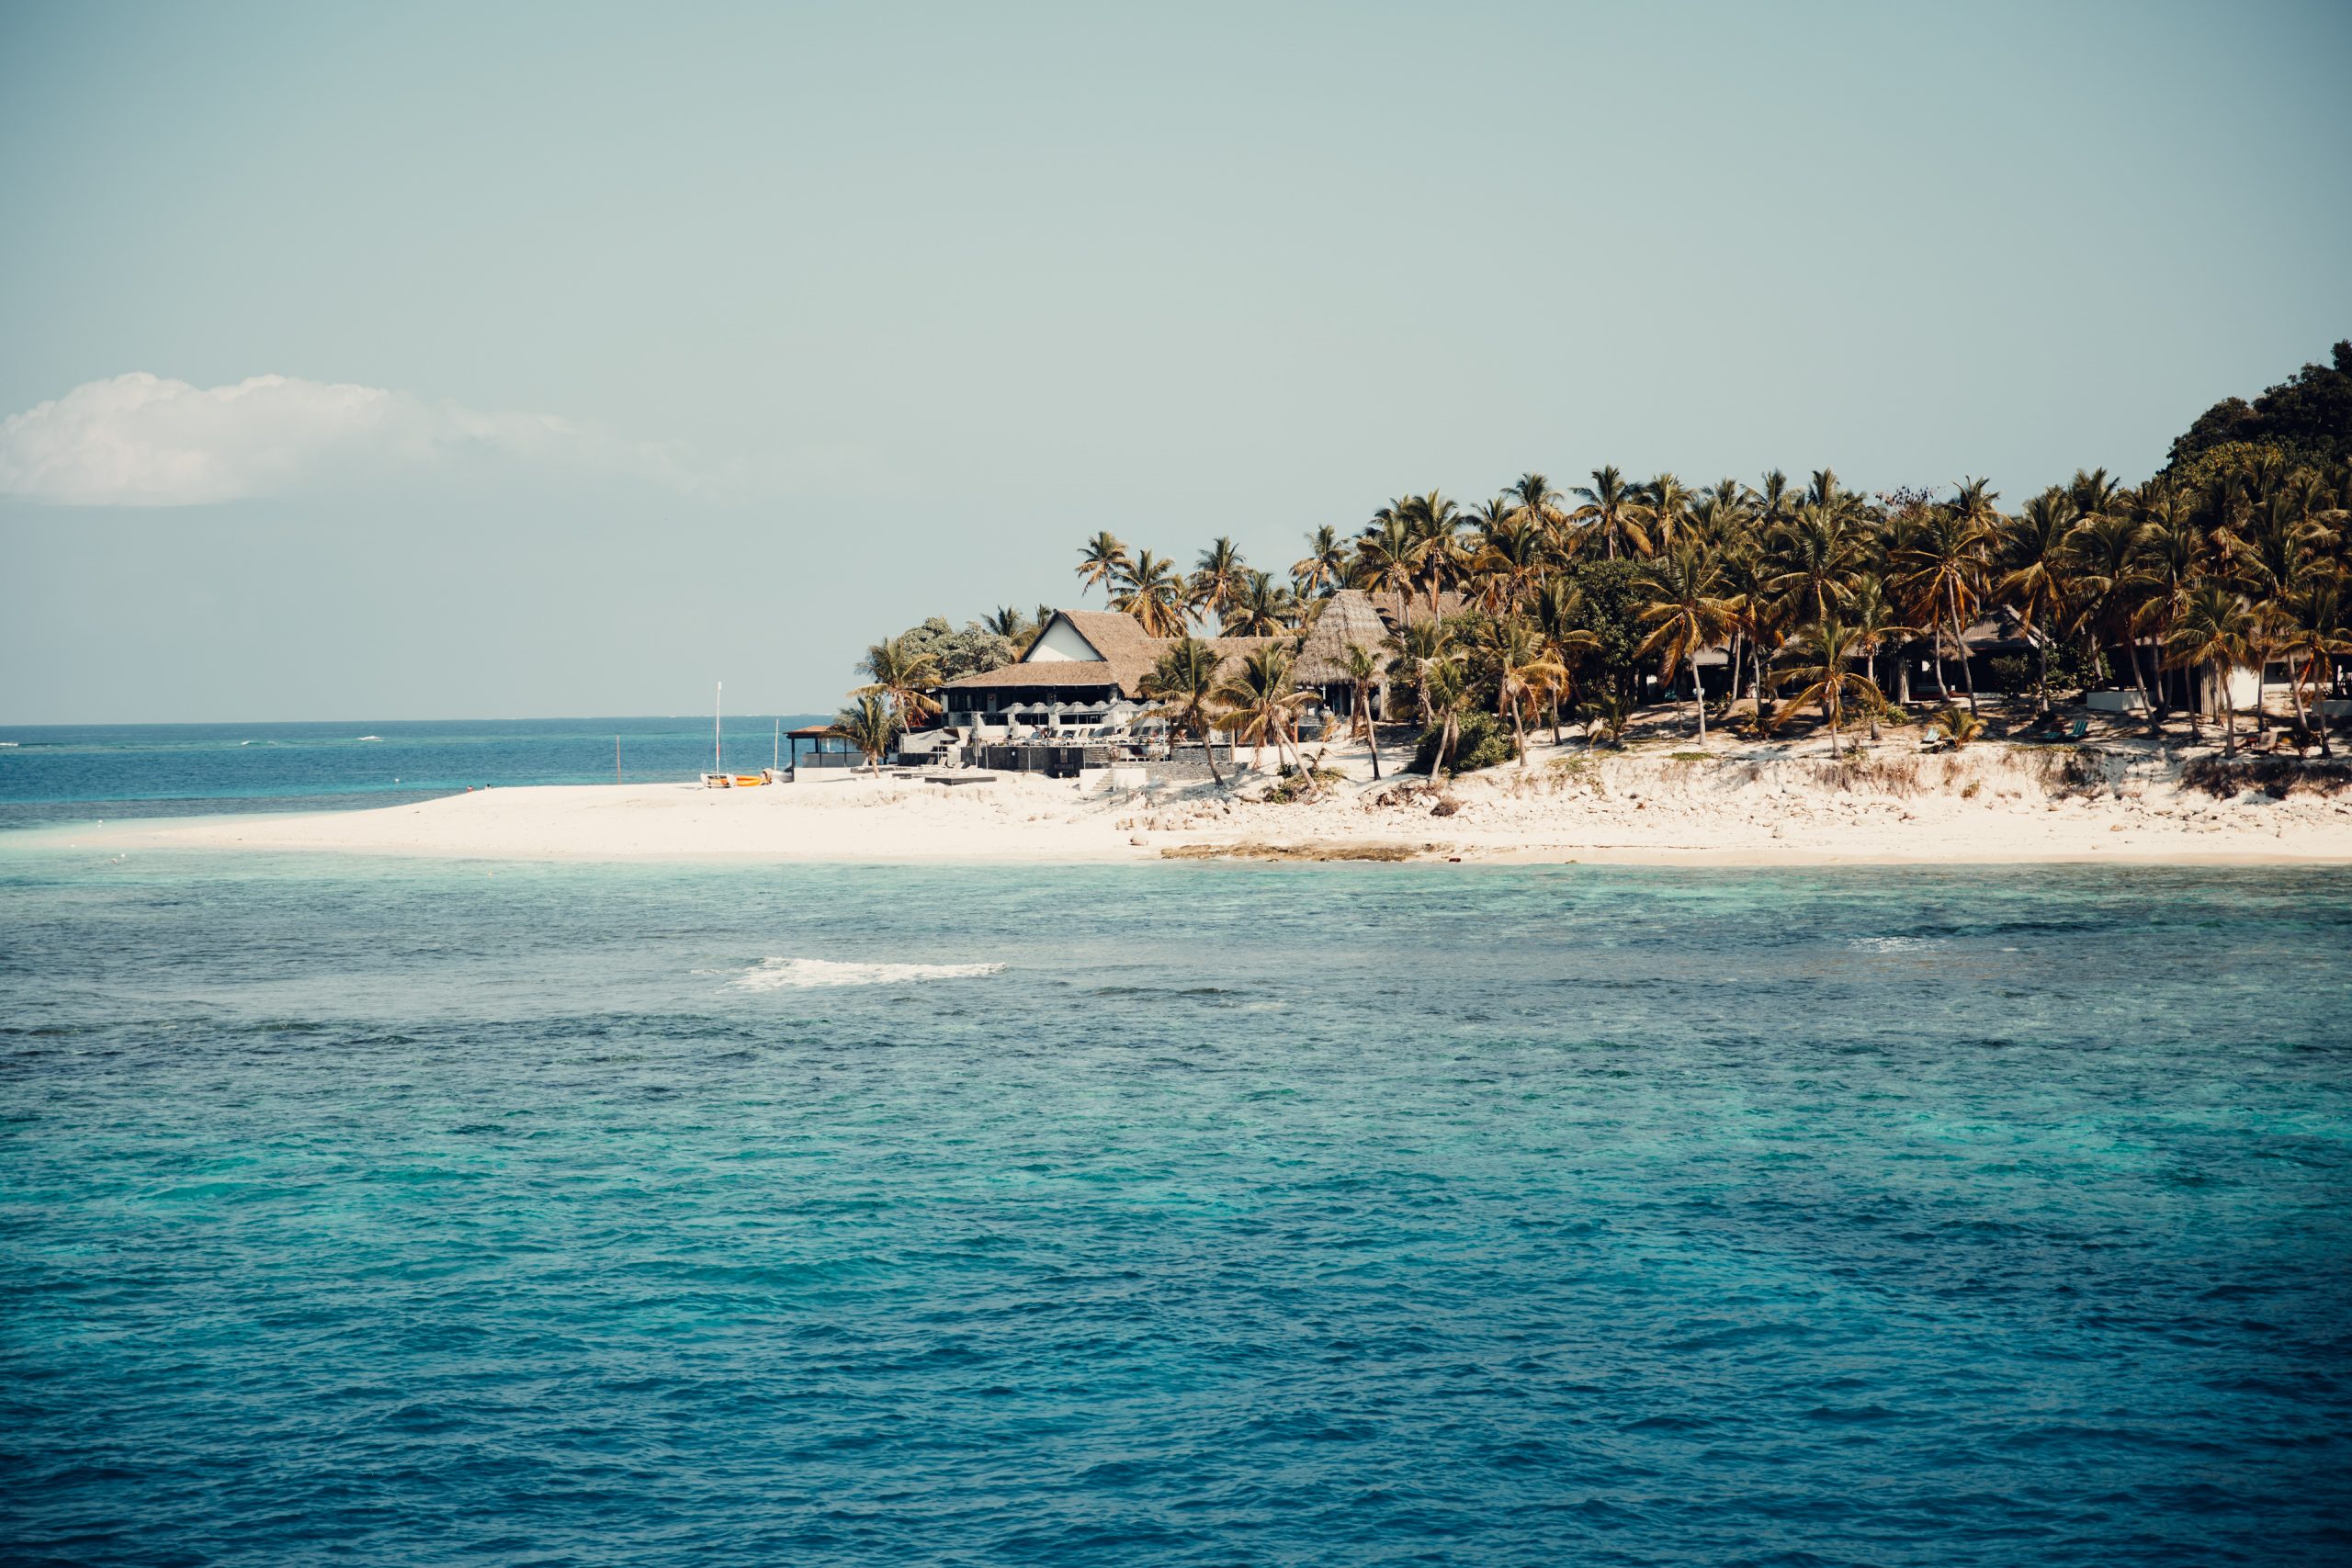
[[402, 1213]]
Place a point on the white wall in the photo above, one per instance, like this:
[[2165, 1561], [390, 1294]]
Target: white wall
[[1061, 642]]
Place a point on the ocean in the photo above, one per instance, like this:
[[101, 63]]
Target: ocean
[[405, 1211], [52, 773]]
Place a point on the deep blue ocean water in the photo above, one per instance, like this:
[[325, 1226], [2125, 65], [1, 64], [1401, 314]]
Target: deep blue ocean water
[[403, 1212]]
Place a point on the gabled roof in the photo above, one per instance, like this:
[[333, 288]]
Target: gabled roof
[[1128, 655]]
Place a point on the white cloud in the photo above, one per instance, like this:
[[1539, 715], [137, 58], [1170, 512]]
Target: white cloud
[[142, 440]]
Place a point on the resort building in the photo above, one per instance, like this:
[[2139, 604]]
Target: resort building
[[1085, 669]]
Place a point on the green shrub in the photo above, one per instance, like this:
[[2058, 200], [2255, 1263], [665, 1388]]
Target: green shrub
[[1480, 741]]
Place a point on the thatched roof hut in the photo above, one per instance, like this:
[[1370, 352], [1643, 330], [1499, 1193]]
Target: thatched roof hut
[[1352, 616]]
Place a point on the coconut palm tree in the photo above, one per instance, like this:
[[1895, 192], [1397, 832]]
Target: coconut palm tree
[[1150, 591], [894, 669], [1264, 608], [1324, 566], [1102, 560], [1444, 692], [1541, 508], [2107, 552], [1422, 648], [1940, 571], [1665, 509], [1875, 626], [1557, 608], [2035, 564], [1218, 578], [1830, 680], [1513, 550], [870, 724], [1384, 561], [1182, 688], [1686, 615], [1613, 510], [1956, 727], [2173, 554], [1814, 557], [1260, 702], [1013, 625], [2214, 630], [1525, 673], [1364, 671], [2316, 629], [1439, 559]]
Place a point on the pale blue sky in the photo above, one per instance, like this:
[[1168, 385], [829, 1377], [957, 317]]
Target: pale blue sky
[[855, 313]]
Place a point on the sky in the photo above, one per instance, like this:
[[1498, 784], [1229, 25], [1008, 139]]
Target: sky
[[425, 361]]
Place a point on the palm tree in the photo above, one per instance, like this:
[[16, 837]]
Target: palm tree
[[1956, 727], [2034, 577], [2106, 553], [1263, 608], [1687, 615], [1217, 579], [1557, 609], [1665, 507], [1102, 560], [870, 724], [1443, 693], [2214, 630], [896, 670], [1940, 571], [1534, 503], [1613, 510], [1813, 559], [1439, 559], [1422, 648], [1011, 624], [1148, 591], [1260, 700], [1830, 680], [1384, 560], [1512, 552], [2316, 629], [1364, 671], [1875, 626], [1525, 673], [1323, 568], [2173, 554], [1182, 687]]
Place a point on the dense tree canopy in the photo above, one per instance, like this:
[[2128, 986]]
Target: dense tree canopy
[[2307, 418]]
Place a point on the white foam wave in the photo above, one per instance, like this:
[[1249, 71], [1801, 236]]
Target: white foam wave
[[1894, 943], [806, 974]]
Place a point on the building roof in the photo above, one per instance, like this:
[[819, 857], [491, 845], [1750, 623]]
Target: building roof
[[1128, 655], [1367, 619], [1044, 672]]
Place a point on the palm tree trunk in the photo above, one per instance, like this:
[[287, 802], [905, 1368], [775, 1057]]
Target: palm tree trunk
[[1698, 695], [2310, 672], [2295, 695], [1967, 675], [2041, 652], [1208, 749]]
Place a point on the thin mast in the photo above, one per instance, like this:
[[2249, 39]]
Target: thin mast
[[717, 691]]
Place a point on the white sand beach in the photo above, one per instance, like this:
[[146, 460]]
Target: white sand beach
[[1733, 804]]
